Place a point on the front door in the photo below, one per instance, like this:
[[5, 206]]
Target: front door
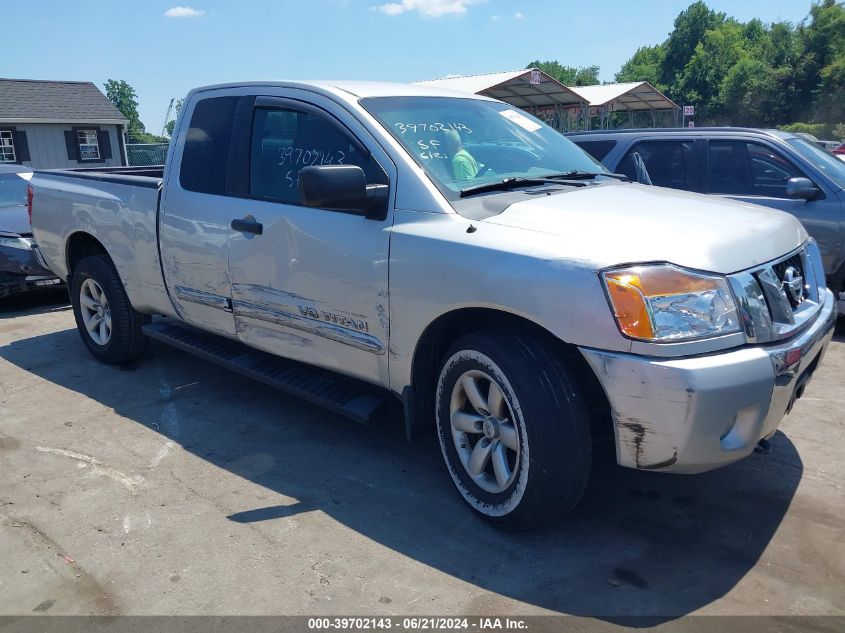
[[308, 283]]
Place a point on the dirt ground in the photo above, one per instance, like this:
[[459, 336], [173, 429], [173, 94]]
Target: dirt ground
[[174, 487]]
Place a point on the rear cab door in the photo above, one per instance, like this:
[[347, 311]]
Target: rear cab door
[[196, 213], [672, 161]]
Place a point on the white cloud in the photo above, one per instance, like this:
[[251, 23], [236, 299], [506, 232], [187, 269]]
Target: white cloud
[[516, 16], [183, 12], [427, 8]]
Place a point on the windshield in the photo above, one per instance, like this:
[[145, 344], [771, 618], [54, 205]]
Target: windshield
[[12, 190], [828, 163], [463, 143]]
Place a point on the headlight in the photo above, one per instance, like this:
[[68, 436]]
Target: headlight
[[16, 242], [664, 303]]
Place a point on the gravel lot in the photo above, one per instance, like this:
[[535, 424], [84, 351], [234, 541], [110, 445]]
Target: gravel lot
[[174, 487]]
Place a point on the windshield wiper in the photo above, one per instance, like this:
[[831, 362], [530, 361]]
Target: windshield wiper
[[509, 183], [578, 174]]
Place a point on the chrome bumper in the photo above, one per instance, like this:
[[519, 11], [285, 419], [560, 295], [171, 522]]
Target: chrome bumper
[[694, 414]]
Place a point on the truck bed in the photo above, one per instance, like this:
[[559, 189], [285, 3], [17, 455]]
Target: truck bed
[[117, 207]]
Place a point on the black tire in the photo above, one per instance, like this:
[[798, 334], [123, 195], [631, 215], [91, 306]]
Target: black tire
[[551, 466], [126, 341]]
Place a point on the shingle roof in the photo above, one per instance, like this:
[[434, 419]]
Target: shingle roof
[[29, 100]]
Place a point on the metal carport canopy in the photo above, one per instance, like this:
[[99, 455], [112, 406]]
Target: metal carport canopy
[[637, 95], [527, 88]]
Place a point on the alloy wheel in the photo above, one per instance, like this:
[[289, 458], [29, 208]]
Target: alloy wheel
[[95, 310], [483, 430]]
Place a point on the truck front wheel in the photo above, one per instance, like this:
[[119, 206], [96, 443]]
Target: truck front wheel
[[512, 427], [110, 328]]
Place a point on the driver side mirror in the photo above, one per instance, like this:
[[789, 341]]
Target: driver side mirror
[[342, 188], [801, 189]]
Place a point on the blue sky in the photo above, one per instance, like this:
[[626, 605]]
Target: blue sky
[[164, 48]]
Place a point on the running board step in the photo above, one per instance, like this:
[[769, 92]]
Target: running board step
[[345, 396]]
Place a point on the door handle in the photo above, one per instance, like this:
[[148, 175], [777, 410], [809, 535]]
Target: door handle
[[248, 225]]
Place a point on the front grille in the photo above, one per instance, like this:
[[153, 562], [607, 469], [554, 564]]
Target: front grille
[[777, 299]]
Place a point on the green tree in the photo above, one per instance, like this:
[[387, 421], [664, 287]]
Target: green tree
[[742, 73], [750, 73], [125, 99], [699, 83], [645, 65], [690, 27], [823, 74]]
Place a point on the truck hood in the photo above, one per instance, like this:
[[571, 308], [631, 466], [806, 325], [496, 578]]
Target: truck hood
[[630, 223]]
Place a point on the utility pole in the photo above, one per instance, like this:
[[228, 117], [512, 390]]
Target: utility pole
[[167, 117]]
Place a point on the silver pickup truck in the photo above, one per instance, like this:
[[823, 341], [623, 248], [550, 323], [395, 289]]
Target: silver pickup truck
[[353, 242]]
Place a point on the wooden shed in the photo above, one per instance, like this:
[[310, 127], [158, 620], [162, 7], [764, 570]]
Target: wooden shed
[[59, 124]]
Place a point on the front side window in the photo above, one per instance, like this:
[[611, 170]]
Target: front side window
[[750, 169], [285, 140], [820, 159], [7, 147], [89, 148], [462, 143], [669, 163]]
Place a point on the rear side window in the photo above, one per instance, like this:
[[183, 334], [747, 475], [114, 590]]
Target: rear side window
[[206, 152], [596, 149], [669, 163]]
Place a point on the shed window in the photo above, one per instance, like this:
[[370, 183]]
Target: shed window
[[7, 147], [89, 149]]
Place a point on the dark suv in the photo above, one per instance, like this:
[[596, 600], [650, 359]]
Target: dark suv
[[767, 167]]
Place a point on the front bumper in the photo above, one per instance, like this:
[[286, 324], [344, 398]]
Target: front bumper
[[694, 414]]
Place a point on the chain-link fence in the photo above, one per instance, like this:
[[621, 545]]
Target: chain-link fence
[[141, 154]]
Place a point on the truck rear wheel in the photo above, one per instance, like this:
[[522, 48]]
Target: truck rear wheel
[[512, 427], [110, 328]]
